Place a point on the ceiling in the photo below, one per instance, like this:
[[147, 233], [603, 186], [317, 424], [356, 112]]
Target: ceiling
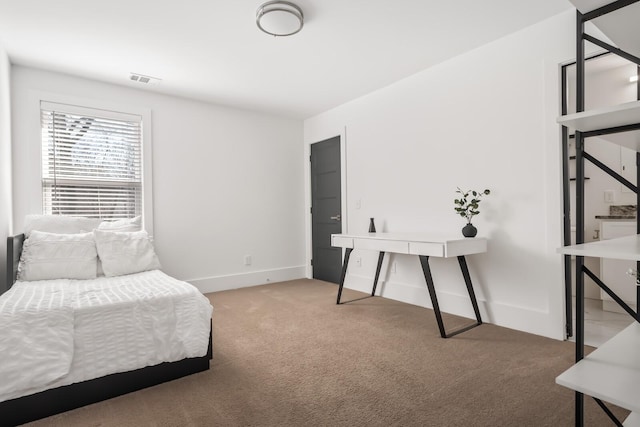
[[212, 50]]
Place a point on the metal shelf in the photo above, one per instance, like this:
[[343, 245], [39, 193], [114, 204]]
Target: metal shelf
[[611, 372], [619, 26], [613, 119], [627, 247], [603, 118]]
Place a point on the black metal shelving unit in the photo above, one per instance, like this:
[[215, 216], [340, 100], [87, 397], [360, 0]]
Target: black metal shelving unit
[[580, 156]]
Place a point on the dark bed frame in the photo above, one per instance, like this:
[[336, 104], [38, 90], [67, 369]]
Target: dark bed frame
[[49, 402]]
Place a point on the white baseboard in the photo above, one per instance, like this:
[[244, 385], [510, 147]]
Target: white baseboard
[[510, 316], [514, 317], [243, 280]]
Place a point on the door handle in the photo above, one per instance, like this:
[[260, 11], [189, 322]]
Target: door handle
[[337, 217]]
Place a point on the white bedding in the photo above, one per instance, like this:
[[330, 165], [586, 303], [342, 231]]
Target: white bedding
[[86, 329]]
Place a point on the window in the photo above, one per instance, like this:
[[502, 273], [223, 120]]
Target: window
[[91, 162]]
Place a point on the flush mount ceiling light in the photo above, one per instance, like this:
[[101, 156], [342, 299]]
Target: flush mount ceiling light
[[279, 18]]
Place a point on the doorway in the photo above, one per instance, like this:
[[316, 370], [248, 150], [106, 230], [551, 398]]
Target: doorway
[[326, 209], [607, 82]]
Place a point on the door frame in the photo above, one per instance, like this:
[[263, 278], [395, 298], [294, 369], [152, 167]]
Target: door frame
[[342, 133]]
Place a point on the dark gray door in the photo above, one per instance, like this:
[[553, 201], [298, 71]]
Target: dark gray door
[[326, 208]]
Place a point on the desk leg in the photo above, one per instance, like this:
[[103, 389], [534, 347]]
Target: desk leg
[[343, 274], [467, 280], [375, 280], [424, 261]]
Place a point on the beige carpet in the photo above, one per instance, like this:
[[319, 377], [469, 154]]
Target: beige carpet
[[286, 355]]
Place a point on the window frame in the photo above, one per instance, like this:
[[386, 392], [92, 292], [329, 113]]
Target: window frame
[[112, 110]]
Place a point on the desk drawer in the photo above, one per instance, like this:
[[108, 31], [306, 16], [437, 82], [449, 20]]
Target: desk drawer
[[428, 249], [467, 246], [341, 242], [382, 245]]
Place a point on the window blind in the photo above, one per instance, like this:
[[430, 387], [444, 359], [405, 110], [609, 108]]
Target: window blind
[[91, 163]]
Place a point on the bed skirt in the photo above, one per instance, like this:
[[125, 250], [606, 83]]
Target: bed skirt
[[54, 401]]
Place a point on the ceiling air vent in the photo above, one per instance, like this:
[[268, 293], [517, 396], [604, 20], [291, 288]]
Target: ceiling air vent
[[141, 78]]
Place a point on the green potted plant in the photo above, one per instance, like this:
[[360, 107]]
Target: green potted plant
[[467, 207]]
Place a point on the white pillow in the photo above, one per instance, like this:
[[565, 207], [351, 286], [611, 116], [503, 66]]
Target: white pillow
[[58, 256], [130, 224], [60, 224], [125, 252]]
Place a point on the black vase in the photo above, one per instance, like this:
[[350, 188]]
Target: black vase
[[469, 230], [372, 226]]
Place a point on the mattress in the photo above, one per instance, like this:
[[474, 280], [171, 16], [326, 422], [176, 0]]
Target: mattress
[[58, 332]]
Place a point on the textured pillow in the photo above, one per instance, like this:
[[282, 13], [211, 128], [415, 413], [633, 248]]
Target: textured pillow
[[60, 224], [125, 252], [58, 256], [131, 224]]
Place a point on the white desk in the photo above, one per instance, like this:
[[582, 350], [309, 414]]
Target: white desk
[[423, 245]]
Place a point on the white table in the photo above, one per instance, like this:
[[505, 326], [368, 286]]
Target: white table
[[424, 245]]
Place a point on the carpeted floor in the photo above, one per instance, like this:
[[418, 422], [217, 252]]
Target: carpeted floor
[[286, 355]]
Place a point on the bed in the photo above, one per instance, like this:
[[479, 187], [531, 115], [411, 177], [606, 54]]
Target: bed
[[124, 309]]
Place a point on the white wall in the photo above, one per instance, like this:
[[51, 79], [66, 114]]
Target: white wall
[[5, 163], [485, 119], [226, 182]]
